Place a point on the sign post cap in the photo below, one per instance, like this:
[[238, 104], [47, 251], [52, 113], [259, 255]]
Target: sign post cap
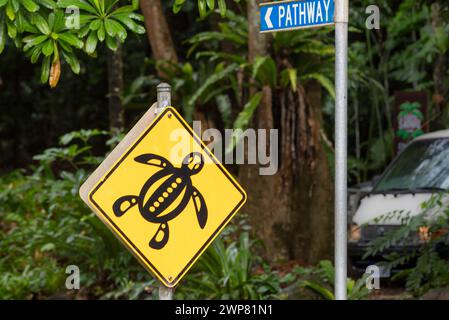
[[163, 87]]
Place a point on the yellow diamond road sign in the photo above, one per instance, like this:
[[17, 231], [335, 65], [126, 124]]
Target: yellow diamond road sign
[[167, 197]]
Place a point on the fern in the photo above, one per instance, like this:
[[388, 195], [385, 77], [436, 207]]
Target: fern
[[211, 81], [356, 289]]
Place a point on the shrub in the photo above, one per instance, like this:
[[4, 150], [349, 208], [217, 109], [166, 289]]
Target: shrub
[[228, 272], [321, 281], [431, 255], [45, 227]]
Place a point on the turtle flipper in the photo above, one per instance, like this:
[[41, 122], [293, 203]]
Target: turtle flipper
[[123, 204], [154, 160], [200, 207], [159, 244]]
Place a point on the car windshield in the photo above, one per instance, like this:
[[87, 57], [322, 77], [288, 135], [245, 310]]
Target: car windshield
[[424, 164]]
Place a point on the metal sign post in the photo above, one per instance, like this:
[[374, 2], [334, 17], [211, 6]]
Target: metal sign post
[[298, 14], [341, 133], [163, 101], [165, 293]]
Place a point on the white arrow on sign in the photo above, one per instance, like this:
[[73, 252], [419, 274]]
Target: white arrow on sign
[[267, 18]]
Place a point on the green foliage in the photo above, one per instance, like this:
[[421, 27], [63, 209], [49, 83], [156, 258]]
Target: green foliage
[[211, 77], [41, 233], [204, 6], [243, 119], [264, 71], [47, 34], [431, 263], [218, 78], [378, 150], [101, 21], [324, 283], [211, 81], [414, 20], [245, 115], [199, 86], [400, 57], [226, 271], [310, 57], [323, 80], [226, 83], [215, 73]]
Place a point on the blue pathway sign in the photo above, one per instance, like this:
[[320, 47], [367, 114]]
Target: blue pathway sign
[[288, 15]]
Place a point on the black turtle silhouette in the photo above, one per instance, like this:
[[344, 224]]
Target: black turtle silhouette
[[173, 193]]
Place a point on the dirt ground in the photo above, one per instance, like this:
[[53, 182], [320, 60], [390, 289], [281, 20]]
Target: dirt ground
[[395, 291], [390, 291]]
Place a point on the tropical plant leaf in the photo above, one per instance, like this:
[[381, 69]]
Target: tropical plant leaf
[[323, 80]]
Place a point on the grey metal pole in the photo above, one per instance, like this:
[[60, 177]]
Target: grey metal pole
[[163, 97], [164, 100], [341, 131], [165, 293]]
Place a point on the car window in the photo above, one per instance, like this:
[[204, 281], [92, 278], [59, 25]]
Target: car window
[[423, 164]]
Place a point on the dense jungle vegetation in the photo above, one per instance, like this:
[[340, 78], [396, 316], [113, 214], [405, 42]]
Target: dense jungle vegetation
[[68, 95]]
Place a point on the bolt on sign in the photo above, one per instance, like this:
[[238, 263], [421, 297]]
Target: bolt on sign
[[166, 197]]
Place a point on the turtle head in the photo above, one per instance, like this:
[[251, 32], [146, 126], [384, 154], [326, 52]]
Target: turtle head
[[193, 162]]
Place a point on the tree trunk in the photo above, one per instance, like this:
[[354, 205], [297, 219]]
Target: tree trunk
[[439, 75], [290, 211], [115, 88], [157, 31]]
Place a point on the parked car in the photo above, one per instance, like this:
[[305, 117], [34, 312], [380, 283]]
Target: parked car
[[421, 169]]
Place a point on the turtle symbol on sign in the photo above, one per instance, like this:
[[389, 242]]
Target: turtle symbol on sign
[[174, 190]]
